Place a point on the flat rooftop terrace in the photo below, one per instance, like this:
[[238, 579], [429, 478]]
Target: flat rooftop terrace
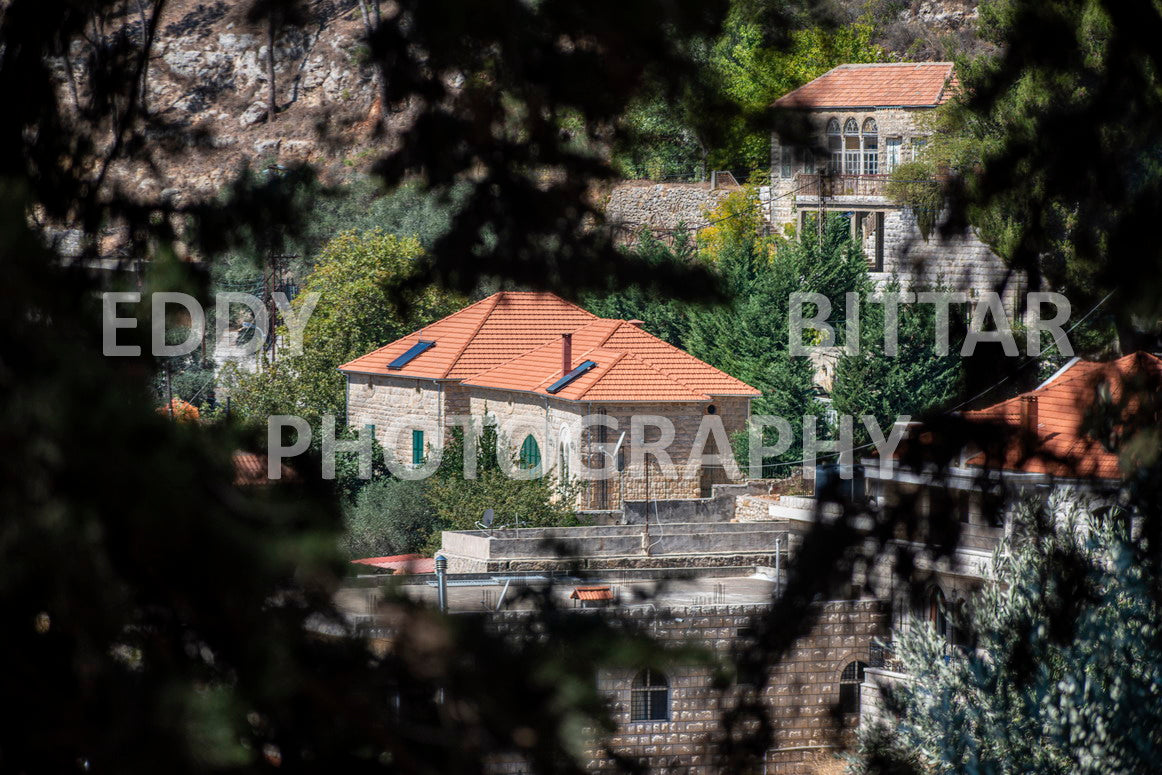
[[480, 593]]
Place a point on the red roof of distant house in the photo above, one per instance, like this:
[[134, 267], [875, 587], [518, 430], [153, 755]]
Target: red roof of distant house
[[591, 593], [512, 341], [401, 563], [895, 84], [250, 469], [1063, 448]]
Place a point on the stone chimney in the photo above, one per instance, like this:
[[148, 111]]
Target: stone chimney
[[566, 353], [1029, 419]]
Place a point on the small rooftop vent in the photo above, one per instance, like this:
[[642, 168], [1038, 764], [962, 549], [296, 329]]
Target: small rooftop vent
[[413, 352]]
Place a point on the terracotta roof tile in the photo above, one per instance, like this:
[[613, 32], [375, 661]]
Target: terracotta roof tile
[[1062, 447], [250, 469], [512, 341], [401, 563], [591, 593], [896, 84]]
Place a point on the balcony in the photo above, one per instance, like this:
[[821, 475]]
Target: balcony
[[880, 655], [831, 185]]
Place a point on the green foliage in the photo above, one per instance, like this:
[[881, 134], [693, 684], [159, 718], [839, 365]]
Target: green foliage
[[190, 378], [665, 318], [914, 185], [460, 502], [357, 311], [915, 381], [752, 65], [388, 517], [1066, 673], [1059, 146], [748, 337]]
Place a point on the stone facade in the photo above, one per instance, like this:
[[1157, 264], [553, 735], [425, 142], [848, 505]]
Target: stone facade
[[397, 406], [803, 185], [801, 694], [634, 205]]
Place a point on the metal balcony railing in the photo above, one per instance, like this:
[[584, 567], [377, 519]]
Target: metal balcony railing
[[812, 184], [881, 655]]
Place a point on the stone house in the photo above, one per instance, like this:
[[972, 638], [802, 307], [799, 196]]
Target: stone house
[[543, 370], [1044, 444], [867, 120], [670, 718]]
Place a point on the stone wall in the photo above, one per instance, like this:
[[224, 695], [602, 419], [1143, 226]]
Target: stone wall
[[732, 544], [632, 482], [396, 406], [637, 204], [801, 692], [961, 262]]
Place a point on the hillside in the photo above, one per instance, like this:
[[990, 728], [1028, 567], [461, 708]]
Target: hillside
[[207, 85]]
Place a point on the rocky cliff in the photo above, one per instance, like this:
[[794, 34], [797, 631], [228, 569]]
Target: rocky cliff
[[207, 90], [208, 86]]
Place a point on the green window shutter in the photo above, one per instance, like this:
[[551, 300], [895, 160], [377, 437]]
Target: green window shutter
[[530, 453], [417, 447]]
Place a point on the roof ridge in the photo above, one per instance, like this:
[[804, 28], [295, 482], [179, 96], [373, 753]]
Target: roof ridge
[[616, 360], [520, 355], [495, 298], [688, 355], [652, 367]]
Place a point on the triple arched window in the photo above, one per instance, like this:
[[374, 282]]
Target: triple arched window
[[854, 150]]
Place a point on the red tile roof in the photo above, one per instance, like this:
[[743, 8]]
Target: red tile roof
[[401, 563], [512, 341], [897, 84], [591, 593], [1062, 447], [250, 469]]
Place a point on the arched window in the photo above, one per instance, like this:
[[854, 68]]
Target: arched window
[[937, 612], [834, 147], [849, 682], [530, 453], [958, 635], [649, 697], [851, 149], [565, 452], [871, 147]]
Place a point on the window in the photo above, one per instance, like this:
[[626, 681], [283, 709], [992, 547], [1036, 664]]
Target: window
[[834, 147], [564, 473], [937, 612], [417, 448], [871, 147], [849, 683], [918, 145], [851, 152], [530, 453], [649, 698], [894, 146], [807, 161], [413, 352], [786, 161]]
